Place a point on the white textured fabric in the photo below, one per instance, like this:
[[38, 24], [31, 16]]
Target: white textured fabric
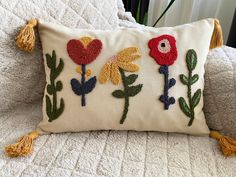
[[145, 111], [109, 153], [22, 77]]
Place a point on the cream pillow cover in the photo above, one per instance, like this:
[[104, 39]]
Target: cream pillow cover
[[125, 79]]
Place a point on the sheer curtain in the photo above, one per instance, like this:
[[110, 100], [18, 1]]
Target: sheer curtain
[[184, 11]]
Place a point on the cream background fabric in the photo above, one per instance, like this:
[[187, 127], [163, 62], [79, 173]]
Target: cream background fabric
[[146, 112]]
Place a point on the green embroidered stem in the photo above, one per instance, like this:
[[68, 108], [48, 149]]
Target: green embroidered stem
[[51, 106], [126, 106], [191, 60], [129, 91], [190, 98]]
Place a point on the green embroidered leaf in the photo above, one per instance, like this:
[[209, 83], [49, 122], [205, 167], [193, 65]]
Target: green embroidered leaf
[[191, 59], [60, 109], [54, 58], [134, 90], [50, 89], [59, 86], [48, 107], [56, 113], [183, 79], [51, 104], [59, 68], [118, 94], [194, 79], [49, 61], [184, 107], [196, 98], [131, 79]]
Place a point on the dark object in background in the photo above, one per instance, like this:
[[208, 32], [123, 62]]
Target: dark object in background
[[232, 34], [138, 8], [164, 12]]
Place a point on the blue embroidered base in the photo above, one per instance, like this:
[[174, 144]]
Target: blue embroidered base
[[168, 83], [84, 87]]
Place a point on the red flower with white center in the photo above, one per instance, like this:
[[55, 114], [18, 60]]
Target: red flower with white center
[[163, 49]]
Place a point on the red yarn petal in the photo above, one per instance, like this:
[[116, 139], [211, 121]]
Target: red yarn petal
[[93, 50], [81, 55], [160, 57]]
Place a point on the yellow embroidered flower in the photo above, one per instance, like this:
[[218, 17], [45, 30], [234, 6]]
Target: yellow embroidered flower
[[123, 60]]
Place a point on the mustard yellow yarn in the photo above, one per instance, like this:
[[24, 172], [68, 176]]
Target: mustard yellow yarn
[[122, 60]]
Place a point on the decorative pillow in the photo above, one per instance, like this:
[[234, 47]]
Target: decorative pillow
[[125, 79]]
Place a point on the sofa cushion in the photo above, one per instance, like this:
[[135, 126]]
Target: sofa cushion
[[220, 90]]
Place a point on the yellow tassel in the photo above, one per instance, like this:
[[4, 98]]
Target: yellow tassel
[[227, 144], [217, 37], [26, 38], [23, 147]]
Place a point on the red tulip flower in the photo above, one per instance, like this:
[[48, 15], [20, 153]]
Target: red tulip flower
[[83, 51], [163, 49]]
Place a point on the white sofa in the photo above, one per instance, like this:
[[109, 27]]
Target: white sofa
[[97, 153]]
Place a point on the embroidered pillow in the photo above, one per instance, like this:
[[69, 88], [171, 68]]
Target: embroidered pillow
[[125, 79]]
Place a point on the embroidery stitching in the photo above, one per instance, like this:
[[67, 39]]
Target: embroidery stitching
[[188, 110], [163, 50], [115, 69], [51, 105], [82, 52]]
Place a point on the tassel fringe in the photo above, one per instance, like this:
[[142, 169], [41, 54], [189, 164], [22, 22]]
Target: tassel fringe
[[217, 37], [227, 144], [23, 147], [26, 38]]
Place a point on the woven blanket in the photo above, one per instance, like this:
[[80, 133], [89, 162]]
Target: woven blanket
[[109, 153]]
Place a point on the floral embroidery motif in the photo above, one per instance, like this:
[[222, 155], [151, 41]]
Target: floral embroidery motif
[[55, 86], [163, 50], [115, 69], [188, 110], [82, 52]]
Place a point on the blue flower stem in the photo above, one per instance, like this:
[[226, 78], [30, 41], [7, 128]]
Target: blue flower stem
[[166, 87], [168, 83], [82, 83]]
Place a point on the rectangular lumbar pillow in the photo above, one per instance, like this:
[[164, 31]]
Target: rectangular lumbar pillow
[[125, 79]]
